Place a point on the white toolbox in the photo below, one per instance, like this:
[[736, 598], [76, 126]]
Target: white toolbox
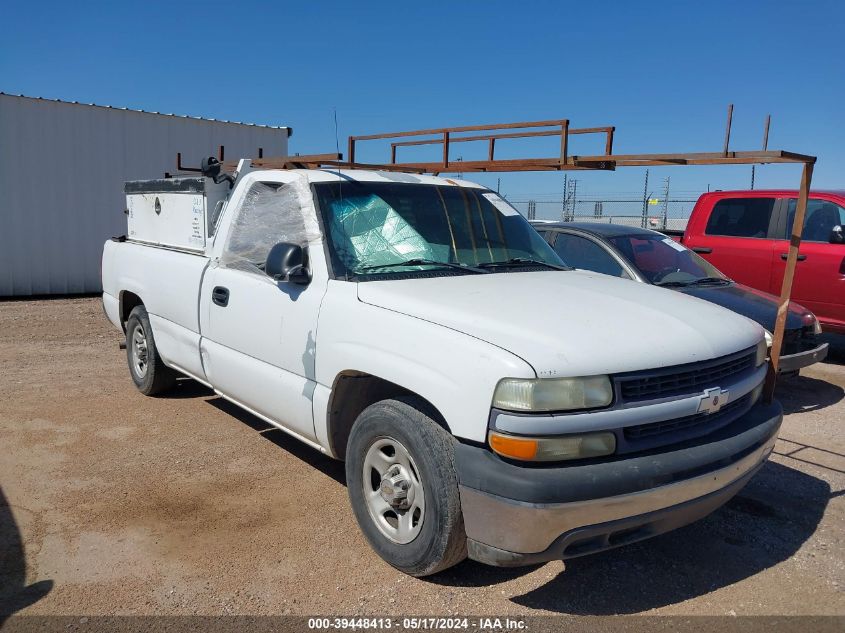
[[178, 213]]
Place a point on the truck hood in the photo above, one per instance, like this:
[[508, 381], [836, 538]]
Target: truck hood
[[756, 305], [570, 323]]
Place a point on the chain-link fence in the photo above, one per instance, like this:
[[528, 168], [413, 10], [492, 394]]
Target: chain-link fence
[[656, 212]]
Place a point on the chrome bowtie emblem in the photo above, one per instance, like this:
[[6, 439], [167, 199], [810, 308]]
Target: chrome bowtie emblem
[[712, 400]]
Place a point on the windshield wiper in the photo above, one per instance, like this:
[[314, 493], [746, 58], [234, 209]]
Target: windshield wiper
[[422, 262], [521, 261], [693, 282], [710, 280], [672, 284]]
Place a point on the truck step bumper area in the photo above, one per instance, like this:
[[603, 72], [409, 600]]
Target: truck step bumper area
[[564, 512]]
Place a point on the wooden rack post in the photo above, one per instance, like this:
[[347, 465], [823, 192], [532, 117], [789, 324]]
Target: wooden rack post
[[788, 277]]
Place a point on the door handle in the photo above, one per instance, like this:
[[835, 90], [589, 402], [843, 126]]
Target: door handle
[[801, 258], [701, 249], [220, 296]]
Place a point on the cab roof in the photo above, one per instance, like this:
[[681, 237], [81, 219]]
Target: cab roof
[[597, 228], [772, 192], [365, 175]]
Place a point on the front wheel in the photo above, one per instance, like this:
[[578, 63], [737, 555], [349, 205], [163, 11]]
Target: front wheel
[[403, 487]]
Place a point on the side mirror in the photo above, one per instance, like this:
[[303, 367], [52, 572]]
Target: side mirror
[[288, 262], [837, 235]]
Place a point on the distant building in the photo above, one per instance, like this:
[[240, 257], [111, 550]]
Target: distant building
[[62, 169]]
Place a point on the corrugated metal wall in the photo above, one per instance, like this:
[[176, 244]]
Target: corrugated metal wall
[[62, 169]]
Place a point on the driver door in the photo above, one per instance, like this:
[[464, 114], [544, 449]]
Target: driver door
[[820, 271], [259, 335]]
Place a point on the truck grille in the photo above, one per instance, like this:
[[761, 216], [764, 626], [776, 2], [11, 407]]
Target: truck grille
[[684, 378], [700, 422]]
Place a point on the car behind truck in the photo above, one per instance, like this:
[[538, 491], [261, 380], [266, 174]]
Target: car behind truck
[[745, 234], [648, 256], [488, 401]]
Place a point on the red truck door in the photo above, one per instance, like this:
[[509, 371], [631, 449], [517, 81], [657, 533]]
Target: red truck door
[[820, 273], [735, 234]]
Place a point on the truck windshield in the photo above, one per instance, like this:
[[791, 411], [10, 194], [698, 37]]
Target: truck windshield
[[376, 229], [664, 262]]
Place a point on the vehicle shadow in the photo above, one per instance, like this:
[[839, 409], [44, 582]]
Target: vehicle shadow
[[836, 351], [14, 592], [325, 464], [765, 524], [187, 388], [817, 456], [802, 393]]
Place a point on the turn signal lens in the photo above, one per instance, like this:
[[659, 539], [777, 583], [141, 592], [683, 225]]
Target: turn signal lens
[[756, 393], [514, 447], [553, 449]]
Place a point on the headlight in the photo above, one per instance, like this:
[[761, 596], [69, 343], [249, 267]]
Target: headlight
[[549, 449], [762, 352], [553, 394], [768, 336], [808, 318]]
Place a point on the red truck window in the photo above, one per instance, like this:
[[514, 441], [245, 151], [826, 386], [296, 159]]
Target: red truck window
[[821, 217], [741, 217]]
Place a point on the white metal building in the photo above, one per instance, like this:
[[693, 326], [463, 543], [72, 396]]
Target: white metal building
[[62, 169]]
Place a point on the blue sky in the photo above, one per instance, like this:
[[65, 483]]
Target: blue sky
[[662, 72]]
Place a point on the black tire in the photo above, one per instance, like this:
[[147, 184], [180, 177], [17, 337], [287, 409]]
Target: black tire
[[154, 376], [441, 541]]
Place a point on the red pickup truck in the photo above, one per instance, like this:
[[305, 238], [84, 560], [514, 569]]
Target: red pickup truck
[[745, 234]]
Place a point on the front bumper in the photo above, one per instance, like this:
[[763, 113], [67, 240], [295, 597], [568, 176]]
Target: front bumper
[[518, 515], [794, 362]]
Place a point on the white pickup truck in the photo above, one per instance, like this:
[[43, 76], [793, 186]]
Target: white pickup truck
[[488, 401]]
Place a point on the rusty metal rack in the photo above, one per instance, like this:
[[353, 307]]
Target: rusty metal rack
[[446, 138], [492, 135]]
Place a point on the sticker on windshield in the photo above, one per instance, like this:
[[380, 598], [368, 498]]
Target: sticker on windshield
[[500, 204], [678, 247]]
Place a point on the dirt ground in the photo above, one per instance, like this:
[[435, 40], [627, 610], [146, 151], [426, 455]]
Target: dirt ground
[[115, 503]]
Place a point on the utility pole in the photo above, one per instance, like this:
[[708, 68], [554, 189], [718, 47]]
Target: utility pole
[[665, 202], [572, 195], [645, 201], [563, 203], [498, 185], [765, 144], [532, 209]]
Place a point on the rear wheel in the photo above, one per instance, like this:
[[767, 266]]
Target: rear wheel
[[148, 371], [404, 489]]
